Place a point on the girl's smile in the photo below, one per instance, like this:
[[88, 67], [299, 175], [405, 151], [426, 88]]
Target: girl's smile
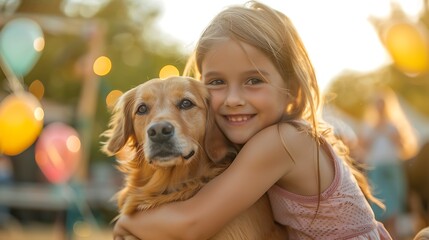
[[248, 93], [265, 99], [238, 119]]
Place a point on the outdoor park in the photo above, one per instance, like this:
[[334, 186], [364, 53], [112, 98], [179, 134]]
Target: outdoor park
[[65, 63]]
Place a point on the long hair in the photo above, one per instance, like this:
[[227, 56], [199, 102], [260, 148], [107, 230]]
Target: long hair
[[274, 34]]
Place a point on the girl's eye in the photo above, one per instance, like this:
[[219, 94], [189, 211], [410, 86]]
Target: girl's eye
[[186, 104], [215, 82], [142, 109], [253, 81]]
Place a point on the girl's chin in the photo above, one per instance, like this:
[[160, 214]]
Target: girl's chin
[[238, 139]]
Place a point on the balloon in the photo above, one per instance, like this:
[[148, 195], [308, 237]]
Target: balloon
[[21, 121], [408, 47], [58, 152], [21, 43]]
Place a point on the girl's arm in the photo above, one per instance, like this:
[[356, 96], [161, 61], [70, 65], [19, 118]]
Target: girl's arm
[[259, 165]]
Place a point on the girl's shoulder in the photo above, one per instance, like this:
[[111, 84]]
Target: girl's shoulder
[[284, 131], [291, 139]]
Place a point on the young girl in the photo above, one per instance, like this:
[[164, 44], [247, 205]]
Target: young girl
[[265, 98]]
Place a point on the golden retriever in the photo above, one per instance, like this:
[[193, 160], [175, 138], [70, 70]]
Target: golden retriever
[[170, 148]]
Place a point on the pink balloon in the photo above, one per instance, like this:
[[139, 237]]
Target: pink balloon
[[58, 152]]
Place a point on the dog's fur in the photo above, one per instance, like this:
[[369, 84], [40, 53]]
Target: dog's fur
[[170, 148], [423, 234]]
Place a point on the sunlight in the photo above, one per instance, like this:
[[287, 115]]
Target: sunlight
[[168, 71], [102, 66], [112, 97], [337, 34], [37, 89]]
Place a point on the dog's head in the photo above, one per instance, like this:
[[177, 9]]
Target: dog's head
[[166, 122]]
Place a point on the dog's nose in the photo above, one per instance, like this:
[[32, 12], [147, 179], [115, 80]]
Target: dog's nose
[[160, 132]]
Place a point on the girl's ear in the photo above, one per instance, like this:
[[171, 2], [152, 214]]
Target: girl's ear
[[121, 125], [218, 147]]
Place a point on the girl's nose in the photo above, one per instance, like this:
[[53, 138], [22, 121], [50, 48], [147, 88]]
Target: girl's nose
[[234, 98]]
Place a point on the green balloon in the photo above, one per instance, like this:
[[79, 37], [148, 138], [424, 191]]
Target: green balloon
[[17, 48]]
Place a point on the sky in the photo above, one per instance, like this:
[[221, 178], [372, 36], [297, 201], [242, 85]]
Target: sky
[[337, 33]]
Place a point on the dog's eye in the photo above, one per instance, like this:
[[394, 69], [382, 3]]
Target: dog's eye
[[142, 109], [186, 104]]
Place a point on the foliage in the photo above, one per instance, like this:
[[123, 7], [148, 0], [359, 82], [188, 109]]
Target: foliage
[[135, 57], [351, 90]]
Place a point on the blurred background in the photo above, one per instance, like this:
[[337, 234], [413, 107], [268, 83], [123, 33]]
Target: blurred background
[[65, 62]]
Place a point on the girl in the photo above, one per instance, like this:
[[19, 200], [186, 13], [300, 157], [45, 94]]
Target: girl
[[265, 98]]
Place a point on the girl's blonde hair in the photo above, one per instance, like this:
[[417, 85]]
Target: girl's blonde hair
[[274, 34]]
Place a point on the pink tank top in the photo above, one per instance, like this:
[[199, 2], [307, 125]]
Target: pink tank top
[[343, 212]]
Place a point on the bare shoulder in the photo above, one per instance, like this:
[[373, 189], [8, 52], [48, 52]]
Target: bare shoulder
[[292, 136], [277, 146], [288, 145], [274, 131]]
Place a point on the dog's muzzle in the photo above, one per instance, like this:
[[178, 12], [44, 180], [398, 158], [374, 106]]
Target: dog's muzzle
[[163, 143], [160, 132]]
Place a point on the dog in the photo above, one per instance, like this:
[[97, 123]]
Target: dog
[[170, 147]]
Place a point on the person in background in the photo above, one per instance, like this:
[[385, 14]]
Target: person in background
[[388, 139], [265, 98]]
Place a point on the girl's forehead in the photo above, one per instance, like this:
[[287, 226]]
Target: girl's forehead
[[234, 54], [236, 46]]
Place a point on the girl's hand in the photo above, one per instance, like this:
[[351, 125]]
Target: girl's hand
[[203, 215], [119, 231]]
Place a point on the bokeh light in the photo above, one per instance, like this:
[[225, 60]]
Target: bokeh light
[[37, 89], [82, 229], [102, 66], [112, 97], [82, 8], [39, 44], [168, 71], [39, 114], [73, 143]]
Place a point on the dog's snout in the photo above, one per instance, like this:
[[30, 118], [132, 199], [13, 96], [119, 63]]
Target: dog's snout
[[160, 132]]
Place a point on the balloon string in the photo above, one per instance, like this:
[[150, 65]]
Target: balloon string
[[14, 83]]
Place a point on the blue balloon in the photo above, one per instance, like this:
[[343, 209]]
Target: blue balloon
[[17, 45]]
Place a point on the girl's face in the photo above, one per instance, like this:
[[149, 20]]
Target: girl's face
[[247, 91]]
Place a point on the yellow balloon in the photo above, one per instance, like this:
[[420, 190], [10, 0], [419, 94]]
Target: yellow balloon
[[407, 44], [21, 121]]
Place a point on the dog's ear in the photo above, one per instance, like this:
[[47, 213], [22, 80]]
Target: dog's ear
[[121, 129], [218, 147]]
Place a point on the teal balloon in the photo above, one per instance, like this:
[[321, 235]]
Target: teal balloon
[[17, 49]]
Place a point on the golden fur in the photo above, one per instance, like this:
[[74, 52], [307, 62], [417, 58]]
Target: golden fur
[[423, 234], [169, 147]]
